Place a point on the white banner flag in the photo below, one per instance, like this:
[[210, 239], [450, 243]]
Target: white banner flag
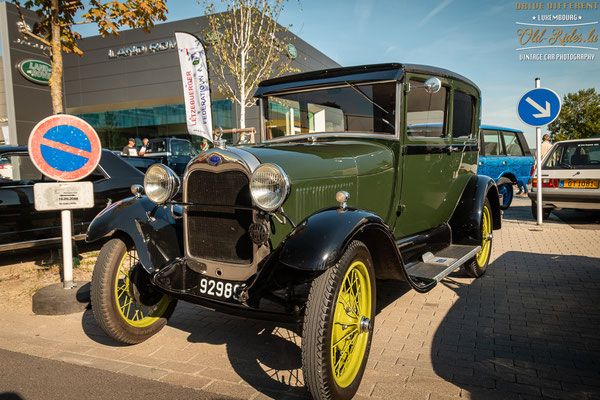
[[196, 90]]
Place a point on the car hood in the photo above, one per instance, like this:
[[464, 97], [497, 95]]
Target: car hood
[[306, 161]]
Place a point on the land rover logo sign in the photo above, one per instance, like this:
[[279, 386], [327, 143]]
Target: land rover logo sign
[[35, 71], [291, 51]]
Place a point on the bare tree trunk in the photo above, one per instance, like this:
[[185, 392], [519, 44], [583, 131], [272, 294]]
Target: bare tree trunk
[[242, 84], [57, 63]]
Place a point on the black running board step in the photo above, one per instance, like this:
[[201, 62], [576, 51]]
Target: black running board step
[[438, 266]]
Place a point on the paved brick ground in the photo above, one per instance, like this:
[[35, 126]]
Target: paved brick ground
[[528, 329]]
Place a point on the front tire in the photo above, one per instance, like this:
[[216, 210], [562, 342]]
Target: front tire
[[338, 326], [479, 264], [123, 302]]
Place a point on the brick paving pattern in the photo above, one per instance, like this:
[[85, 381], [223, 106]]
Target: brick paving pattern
[[527, 329]]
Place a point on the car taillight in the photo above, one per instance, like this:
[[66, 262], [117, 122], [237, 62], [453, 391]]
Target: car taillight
[[553, 183]]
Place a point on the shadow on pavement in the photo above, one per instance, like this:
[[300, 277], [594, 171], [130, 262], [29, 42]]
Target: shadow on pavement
[[529, 326], [10, 396], [266, 355]]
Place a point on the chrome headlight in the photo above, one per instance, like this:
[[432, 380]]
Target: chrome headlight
[[269, 186], [161, 184]]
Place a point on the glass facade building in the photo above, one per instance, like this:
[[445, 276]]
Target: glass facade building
[[116, 126]]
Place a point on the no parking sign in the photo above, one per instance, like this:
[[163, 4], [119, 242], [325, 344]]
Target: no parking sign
[[64, 148]]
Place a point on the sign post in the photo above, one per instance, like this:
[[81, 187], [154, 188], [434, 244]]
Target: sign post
[[539, 107], [64, 148]]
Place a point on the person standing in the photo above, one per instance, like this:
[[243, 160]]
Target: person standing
[[144, 147], [130, 149], [546, 145]]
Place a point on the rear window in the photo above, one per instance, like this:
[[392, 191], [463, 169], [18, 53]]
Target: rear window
[[575, 155]]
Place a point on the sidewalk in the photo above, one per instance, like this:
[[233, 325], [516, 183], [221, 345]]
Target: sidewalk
[[527, 329]]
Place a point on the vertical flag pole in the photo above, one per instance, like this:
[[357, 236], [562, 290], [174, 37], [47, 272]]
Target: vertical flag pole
[[538, 151]]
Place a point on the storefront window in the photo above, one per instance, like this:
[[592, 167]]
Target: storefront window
[[115, 127]]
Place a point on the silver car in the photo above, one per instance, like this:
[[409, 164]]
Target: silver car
[[570, 176]]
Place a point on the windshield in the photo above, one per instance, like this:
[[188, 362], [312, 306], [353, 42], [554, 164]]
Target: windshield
[[364, 108], [582, 155]]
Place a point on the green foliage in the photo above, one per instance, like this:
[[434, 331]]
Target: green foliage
[[245, 46], [109, 16], [579, 116]]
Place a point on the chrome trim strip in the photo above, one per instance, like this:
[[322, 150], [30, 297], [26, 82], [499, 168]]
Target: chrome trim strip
[[34, 243], [307, 136]]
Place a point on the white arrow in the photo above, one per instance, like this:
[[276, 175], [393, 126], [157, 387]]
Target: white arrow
[[544, 113]]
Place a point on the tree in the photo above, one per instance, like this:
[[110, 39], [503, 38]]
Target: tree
[[58, 17], [244, 44], [579, 116]]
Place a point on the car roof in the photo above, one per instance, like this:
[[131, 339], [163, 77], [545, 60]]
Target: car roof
[[592, 139], [371, 72], [500, 128]]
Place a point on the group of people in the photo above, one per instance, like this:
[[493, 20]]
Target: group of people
[[132, 150], [544, 147]]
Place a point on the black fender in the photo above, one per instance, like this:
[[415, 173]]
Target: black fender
[[466, 219], [156, 234], [318, 242]]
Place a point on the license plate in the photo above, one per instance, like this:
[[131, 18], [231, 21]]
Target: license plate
[[580, 183], [218, 289]]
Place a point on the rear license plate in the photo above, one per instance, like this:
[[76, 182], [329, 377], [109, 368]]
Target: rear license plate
[[580, 183], [218, 289]]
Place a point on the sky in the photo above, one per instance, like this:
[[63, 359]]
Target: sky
[[477, 39]]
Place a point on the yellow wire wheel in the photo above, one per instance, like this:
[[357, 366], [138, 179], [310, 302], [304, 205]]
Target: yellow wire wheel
[[338, 325], [349, 335], [486, 241], [119, 284], [479, 264], [133, 312]]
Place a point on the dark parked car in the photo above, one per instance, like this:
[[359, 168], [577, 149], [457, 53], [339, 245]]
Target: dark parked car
[[298, 228], [505, 157], [172, 152], [21, 226]]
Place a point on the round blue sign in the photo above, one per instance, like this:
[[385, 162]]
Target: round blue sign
[[67, 157], [539, 107]]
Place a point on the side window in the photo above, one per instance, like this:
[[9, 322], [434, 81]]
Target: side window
[[491, 143], [19, 168], [426, 112], [462, 115], [513, 148]]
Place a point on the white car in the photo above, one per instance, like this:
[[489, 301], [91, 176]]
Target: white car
[[570, 177]]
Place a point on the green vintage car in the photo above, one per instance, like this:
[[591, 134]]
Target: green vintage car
[[363, 173]]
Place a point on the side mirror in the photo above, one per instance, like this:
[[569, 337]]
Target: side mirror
[[432, 85]]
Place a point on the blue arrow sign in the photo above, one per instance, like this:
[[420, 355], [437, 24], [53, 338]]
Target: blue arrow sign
[[539, 107]]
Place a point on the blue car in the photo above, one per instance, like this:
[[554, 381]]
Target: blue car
[[505, 157]]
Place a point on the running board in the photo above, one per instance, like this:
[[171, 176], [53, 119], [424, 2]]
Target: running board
[[437, 267]]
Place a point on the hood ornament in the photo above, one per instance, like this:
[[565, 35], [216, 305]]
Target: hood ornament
[[218, 141]]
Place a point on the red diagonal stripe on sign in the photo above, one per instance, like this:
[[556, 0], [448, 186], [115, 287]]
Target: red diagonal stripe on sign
[[65, 147]]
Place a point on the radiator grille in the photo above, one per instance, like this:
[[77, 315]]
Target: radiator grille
[[217, 233]]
